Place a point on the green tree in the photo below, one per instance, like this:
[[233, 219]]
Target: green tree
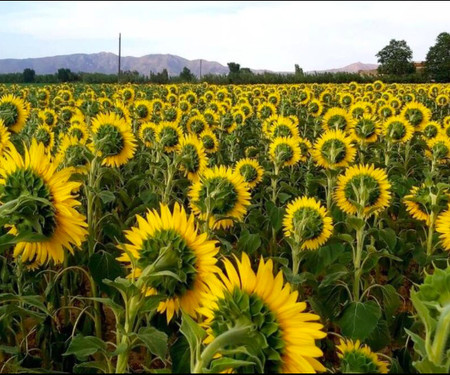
[[234, 67], [437, 63], [29, 75], [396, 58], [298, 70], [186, 75]]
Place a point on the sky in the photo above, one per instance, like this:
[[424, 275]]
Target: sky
[[259, 35]]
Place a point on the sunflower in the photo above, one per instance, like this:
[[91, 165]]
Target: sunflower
[[431, 130], [169, 136], [346, 99], [305, 148], [78, 128], [122, 111], [113, 139], [44, 134], [443, 227], [51, 213], [397, 129], [438, 148], [210, 142], [336, 118], [147, 133], [282, 333], [266, 110], [283, 127], [365, 129], [416, 208], [73, 154], [196, 124], [314, 108], [192, 155], [211, 118], [363, 187], [359, 109], [333, 150], [171, 114], [285, 151], [13, 112], [5, 143], [416, 114], [142, 110], [357, 358], [386, 111], [220, 194], [251, 171], [442, 100], [48, 117], [170, 241], [308, 222]]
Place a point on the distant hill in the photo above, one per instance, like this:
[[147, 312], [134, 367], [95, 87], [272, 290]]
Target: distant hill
[[106, 62], [352, 68]]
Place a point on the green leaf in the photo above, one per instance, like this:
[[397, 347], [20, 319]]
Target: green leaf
[[275, 215], [107, 196], [80, 368], [154, 340], [355, 222], [380, 336], [225, 363], [248, 243], [359, 319], [180, 356], [419, 343], [84, 346], [391, 301], [194, 335], [389, 236], [103, 265]]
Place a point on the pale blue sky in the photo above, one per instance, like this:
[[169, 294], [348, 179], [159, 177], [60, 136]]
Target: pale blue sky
[[260, 35]]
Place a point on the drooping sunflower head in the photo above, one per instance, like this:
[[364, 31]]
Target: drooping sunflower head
[[197, 124], [307, 222], [78, 128], [251, 171], [336, 118], [170, 241], [113, 139], [147, 133], [363, 189], [357, 358], [386, 111], [283, 127], [396, 129], [192, 156], [431, 130], [169, 136], [209, 141], [266, 110], [44, 134], [13, 112], [305, 148], [285, 151], [73, 153], [359, 109], [142, 110], [416, 114], [221, 194], [442, 100], [281, 332], [333, 150], [48, 117], [365, 129], [46, 207], [314, 108], [443, 228], [171, 114], [439, 148], [227, 123]]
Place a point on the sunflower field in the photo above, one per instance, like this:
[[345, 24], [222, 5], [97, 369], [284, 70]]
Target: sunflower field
[[202, 229]]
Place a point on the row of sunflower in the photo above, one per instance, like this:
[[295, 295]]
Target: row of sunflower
[[200, 228]]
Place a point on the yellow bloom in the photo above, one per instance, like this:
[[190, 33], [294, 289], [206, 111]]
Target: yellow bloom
[[250, 170], [285, 151], [333, 150]]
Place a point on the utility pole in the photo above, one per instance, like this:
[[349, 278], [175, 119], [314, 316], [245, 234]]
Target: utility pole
[[200, 69], [118, 72]]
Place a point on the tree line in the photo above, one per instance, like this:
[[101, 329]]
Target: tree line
[[395, 61]]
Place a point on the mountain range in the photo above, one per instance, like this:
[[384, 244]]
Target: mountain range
[[106, 62]]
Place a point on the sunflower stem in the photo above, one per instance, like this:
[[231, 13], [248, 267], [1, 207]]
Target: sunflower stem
[[233, 336], [357, 260], [430, 234]]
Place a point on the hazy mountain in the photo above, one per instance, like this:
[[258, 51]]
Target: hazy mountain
[[352, 68], [106, 62]]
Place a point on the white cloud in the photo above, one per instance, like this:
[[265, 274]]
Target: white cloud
[[271, 35]]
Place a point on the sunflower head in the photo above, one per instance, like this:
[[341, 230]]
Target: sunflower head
[[416, 114], [337, 119], [280, 336], [431, 130], [439, 148], [365, 129], [285, 151], [357, 358], [113, 139], [221, 196], [209, 141], [250, 170], [192, 156], [170, 241], [196, 124], [13, 112], [396, 129], [44, 134], [363, 189], [169, 136], [333, 150], [74, 154], [308, 223], [147, 133]]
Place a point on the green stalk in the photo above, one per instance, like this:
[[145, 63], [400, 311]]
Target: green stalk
[[441, 337], [232, 335], [357, 261]]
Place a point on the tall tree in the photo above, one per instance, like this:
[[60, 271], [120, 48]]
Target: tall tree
[[437, 63], [186, 75], [29, 75], [234, 67], [396, 58]]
